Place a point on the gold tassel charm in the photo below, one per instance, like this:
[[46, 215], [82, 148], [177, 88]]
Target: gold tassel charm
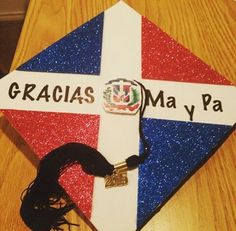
[[119, 177]]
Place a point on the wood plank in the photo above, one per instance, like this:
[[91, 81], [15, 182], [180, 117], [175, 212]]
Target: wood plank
[[208, 28]]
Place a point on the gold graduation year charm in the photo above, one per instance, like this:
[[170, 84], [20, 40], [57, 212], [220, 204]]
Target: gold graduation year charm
[[119, 176]]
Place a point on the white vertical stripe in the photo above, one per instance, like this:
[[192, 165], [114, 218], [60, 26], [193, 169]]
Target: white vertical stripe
[[115, 209]]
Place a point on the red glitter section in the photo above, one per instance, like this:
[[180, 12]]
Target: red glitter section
[[45, 131], [79, 187], [165, 59]]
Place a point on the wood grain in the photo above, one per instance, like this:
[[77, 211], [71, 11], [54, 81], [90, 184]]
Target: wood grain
[[207, 202]]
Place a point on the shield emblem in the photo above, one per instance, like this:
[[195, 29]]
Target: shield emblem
[[122, 96]]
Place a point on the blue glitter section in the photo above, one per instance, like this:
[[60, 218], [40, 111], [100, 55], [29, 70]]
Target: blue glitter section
[[77, 52], [177, 148]]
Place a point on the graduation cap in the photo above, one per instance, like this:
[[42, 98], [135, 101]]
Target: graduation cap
[[118, 84]]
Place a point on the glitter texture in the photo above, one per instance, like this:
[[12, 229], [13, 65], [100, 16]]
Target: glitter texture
[[165, 59], [46, 131], [77, 52], [79, 186], [177, 148]]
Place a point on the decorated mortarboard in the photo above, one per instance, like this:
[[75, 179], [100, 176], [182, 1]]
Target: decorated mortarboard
[[117, 89]]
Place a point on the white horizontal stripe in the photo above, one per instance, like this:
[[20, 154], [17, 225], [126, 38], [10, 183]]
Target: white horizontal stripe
[[205, 98], [184, 93], [52, 80]]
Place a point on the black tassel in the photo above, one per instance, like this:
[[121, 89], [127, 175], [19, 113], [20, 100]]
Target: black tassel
[[45, 203]]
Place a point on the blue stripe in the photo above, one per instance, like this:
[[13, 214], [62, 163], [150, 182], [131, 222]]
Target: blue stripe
[[78, 52], [177, 148]]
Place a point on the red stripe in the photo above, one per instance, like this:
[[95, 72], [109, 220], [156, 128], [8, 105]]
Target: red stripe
[[165, 59], [45, 131]]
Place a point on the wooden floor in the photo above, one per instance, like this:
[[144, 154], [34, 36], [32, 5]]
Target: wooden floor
[[207, 202]]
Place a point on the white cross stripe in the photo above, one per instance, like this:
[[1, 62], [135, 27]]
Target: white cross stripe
[[118, 135], [184, 93]]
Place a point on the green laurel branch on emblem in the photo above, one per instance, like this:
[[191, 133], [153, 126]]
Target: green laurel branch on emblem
[[107, 95], [135, 98]]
